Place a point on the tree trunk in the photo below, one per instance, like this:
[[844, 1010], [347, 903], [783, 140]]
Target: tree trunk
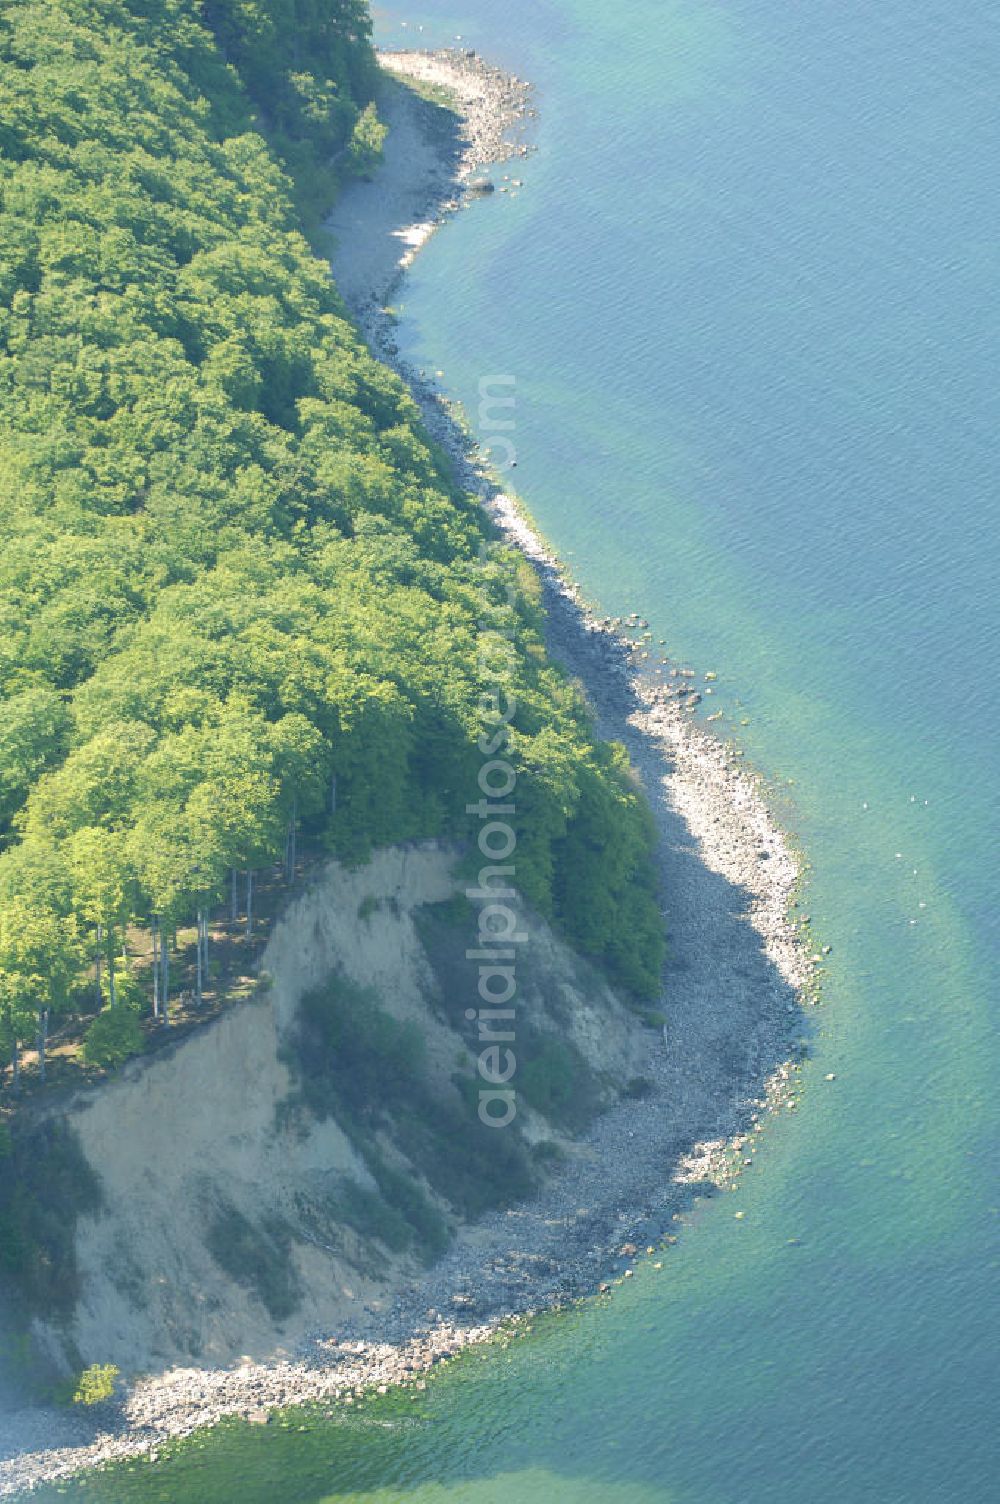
[[249, 902], [111, 966], [290, 843], [156, 967], [97, 960], [43, 1039], [198, 942], [165, 989], [15, 1067], [333, 794], [234, 912]]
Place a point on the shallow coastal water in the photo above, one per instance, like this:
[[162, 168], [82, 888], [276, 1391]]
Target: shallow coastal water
[[747, 293]]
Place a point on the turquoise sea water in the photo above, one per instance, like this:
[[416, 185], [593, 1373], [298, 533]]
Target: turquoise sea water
[[748, 294]]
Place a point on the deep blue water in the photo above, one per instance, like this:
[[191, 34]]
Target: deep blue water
[[749, 296]]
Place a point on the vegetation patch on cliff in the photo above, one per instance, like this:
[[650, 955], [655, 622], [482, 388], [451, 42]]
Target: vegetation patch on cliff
[[46, 1183], [357, 1063], [257, 1256], [553, 1076]]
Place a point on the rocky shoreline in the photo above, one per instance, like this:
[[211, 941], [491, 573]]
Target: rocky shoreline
[[493, 106], [739, 974], [454, 121]]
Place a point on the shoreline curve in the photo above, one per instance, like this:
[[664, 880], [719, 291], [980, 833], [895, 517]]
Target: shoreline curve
[[741, 970]]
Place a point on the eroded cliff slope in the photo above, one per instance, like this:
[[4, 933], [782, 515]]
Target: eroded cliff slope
[[309, 1150]]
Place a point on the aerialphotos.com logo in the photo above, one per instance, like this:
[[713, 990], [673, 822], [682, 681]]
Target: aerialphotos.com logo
[[499, 932]]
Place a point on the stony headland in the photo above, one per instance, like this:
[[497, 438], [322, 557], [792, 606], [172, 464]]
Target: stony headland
[[739, 976]]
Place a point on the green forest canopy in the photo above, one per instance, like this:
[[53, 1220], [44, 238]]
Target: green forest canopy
[[235, 575]]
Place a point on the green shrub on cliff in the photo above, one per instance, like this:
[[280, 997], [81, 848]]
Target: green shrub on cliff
[[367, 140], [240, 594], [95, 1384], [114, 1037]]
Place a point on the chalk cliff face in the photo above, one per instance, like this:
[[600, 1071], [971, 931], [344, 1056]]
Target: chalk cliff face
[[229, 1221]]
